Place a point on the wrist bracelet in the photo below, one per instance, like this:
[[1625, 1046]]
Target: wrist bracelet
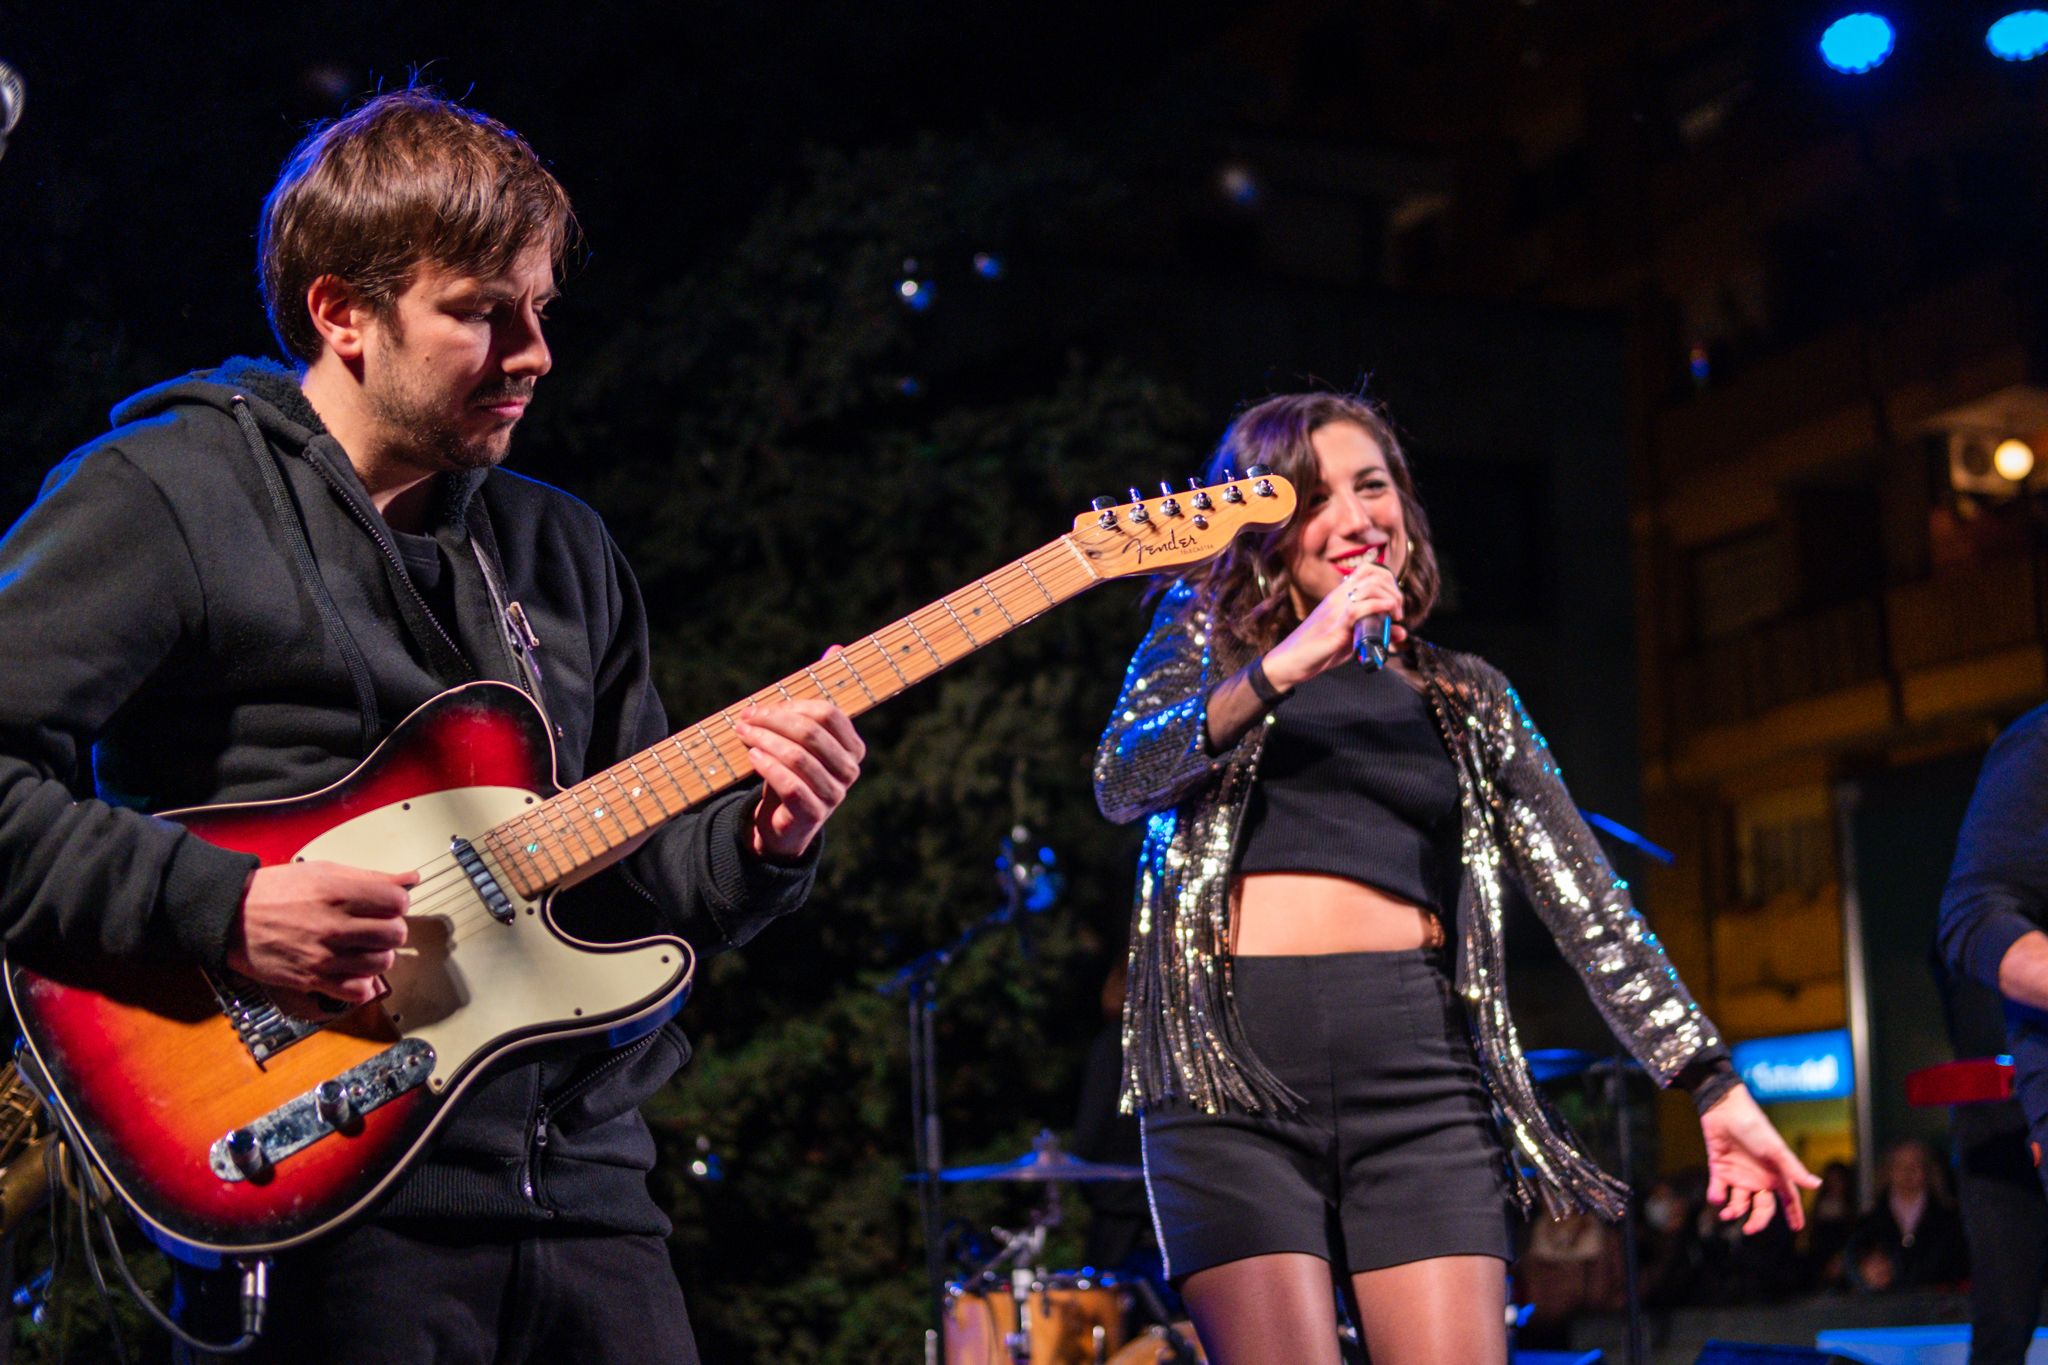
[[1261, 685]]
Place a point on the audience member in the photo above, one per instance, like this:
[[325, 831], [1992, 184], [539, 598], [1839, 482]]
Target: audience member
[[1911, 1237]]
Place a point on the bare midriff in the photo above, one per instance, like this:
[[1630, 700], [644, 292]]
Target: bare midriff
[[1302, 914]]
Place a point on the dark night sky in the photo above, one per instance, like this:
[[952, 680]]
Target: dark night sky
[[129, 193]]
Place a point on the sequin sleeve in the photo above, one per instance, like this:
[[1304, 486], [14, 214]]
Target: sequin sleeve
[[1587, 908], [1155, 749]]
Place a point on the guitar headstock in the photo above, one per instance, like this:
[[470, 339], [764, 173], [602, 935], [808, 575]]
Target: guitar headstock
[[1174, 530]]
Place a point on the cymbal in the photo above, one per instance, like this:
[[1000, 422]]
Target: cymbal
[[1043, 1164]]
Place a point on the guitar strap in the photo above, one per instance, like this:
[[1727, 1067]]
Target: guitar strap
[[521, 643]]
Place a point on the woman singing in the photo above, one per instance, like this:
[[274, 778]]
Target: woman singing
[[1315, 1091]]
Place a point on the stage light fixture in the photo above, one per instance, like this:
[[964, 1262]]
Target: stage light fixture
[[1857, 43], [2014, 459], [2020, 36]]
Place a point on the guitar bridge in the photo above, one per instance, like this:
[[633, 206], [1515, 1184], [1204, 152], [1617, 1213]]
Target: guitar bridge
[[264, 1028]]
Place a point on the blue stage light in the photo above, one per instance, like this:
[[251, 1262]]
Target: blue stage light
[[2020, 36], [1856, 43], [987, 266], [916, 295]]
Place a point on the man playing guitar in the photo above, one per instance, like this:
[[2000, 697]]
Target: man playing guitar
[[239, 591]]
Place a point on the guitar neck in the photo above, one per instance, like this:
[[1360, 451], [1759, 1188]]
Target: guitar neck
[[591, 821]]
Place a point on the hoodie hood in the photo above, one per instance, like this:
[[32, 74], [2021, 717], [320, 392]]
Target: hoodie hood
[[283, 413], [279, 405]]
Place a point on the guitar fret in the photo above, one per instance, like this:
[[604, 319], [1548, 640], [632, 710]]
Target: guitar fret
[[858, 680], [936, 656], [999, 603], [889, 659], [566, 823], [733, 729], [784, 691], [819, 683], [714, 745], [620, 799], [684, 750], [947, 604], [512, 850], [540, 843], [640, 779], [1025, 564], [1075, 550]]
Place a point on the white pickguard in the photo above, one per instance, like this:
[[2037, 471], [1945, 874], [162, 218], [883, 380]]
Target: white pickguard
[[464, 981]]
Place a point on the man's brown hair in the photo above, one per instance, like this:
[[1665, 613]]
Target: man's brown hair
[[408, 179]]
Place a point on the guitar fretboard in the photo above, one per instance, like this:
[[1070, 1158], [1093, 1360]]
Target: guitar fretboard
[[586, 823]]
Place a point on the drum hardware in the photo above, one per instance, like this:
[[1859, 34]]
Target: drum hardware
[[1045, 1163], [1029, 886]]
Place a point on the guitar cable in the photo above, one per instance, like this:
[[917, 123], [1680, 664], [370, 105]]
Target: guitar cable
[[255, 1272]]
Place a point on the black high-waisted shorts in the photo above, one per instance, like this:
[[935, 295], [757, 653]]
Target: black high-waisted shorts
[[1394, 1157]]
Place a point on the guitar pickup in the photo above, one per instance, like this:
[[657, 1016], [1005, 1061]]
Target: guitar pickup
[[487, 889], [333, 1106]]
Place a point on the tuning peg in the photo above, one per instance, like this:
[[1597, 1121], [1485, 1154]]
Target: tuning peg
[[1257, 471], [1201, 497], [1107, 506], [1167, 506], [1138, 506]]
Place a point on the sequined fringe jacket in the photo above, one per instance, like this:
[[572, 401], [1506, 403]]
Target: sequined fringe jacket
[[1181, 1033]]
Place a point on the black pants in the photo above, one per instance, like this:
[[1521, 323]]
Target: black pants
[[374, 1295], [2005, 1220]]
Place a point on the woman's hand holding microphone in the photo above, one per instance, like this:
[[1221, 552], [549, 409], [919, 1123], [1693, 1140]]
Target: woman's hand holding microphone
[[1330, 633]]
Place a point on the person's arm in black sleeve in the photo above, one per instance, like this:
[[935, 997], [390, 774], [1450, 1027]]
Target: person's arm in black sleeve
[[696, 876], [96, 589], [1997, 894]]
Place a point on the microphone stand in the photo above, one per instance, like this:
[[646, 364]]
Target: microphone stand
[[1028, 888], [1617, 1093]]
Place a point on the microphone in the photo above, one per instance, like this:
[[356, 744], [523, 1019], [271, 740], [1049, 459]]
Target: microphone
[[13, 99], [1373, 638], [1373, 643]]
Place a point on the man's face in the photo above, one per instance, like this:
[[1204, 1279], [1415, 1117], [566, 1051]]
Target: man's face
[[448, 372]]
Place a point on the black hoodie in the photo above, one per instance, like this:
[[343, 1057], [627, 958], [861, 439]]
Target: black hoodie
[[165, 650]]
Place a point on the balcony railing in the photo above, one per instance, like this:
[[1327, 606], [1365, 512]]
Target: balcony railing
[[1778, 663], [1961, 614]]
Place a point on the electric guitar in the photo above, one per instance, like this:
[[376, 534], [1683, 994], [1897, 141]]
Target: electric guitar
[[233, 1124]]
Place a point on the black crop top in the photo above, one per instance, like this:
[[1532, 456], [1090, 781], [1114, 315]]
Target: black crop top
[[1354, 782]]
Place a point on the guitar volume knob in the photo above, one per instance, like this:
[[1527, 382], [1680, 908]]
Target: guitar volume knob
[[245, 1149], [335, 1105]]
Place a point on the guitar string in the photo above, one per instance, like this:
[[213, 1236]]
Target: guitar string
[[573, 814], [1051, 577], [1054, 573]]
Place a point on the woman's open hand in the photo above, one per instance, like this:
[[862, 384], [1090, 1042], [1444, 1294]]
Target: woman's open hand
[[1750, 1170]]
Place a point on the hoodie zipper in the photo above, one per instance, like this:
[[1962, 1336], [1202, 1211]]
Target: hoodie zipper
[[391, 556], [540, 1134]]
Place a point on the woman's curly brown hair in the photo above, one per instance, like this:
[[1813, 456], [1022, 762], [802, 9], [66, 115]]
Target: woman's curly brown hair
[[1247, 588]]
